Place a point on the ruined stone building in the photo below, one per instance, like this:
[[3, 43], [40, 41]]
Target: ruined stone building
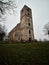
[[23, 30]]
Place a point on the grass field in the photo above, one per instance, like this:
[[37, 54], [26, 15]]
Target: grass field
[[35, 53]]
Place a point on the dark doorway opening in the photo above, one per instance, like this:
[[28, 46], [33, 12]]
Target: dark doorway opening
[[21, 40], [29, 39]]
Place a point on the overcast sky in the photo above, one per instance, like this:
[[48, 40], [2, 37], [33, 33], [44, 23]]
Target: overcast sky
[[40, 15]]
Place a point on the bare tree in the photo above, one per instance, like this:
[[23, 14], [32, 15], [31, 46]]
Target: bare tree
[[46, 29], [2, 32], [6, 6]]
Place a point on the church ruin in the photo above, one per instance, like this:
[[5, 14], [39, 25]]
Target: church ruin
[[24, 30]]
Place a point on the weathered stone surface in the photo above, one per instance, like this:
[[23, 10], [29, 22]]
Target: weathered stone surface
[[24, 30]]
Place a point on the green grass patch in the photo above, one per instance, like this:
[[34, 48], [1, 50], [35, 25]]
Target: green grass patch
[[33, 53]]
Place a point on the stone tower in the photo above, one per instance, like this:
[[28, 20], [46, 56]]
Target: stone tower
[[27, 32]]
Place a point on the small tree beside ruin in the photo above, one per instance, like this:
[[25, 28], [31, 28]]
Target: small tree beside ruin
[[2, 32]]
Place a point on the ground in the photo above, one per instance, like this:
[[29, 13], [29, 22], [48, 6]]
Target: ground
[[36, 53]]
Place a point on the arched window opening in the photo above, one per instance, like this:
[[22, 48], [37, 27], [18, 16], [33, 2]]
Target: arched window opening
[[29, 24], [29, 32]]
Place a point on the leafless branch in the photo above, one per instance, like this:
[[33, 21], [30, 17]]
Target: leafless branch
[[46, 29], [6, 6]]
